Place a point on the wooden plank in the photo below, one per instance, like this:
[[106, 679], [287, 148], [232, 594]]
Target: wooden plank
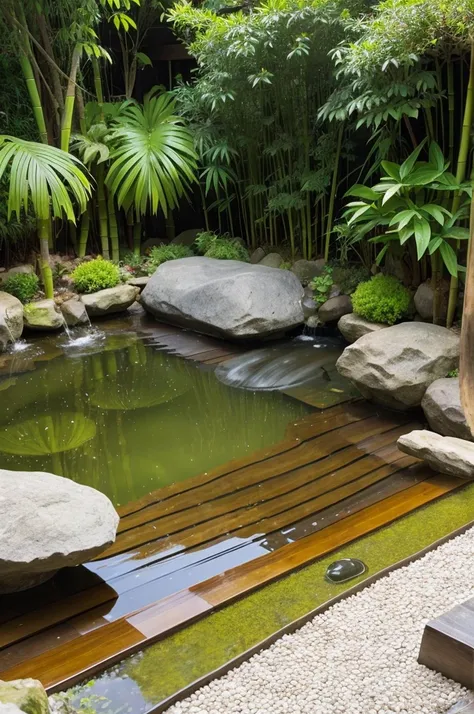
[[66, 665], [447, 645]]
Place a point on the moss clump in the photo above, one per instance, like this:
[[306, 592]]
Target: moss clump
[[23, 286], [381, 299], [95, 275]]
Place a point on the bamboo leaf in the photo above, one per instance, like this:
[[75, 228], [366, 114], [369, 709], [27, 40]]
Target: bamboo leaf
[[449, 258]]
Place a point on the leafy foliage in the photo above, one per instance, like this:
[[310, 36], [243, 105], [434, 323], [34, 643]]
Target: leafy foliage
[[408, 205], [322, 285], [204, 241], [162, 253], [348, 277], [95, 275], [23, 286], [381, 299], [227, 249]]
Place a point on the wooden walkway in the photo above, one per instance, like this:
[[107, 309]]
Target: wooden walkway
[[196, 545]]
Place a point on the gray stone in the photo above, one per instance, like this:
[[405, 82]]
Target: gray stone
[[257, 256], [26, 269], [306, 270], [334, 308], [313, 322], [150, 243], [43, 315], [139, 282], [443, 453], [227, 298], [27, 694], [352, 327], [187, 237], [49, 522], [396, 365], [74, 312], [9, 709], [272, 260], [345, 569], [424, 297], [11, 319], [110, 300], [309, 306], [442, 407]]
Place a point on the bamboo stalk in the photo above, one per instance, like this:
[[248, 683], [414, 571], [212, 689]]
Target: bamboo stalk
[[35, 98], [66, 126], [113, 228], [466, 362], [44, 230], [461, 175], [137, 235], [98, 86], [84, 234], [102, 210], [332, 197], [450, 76]]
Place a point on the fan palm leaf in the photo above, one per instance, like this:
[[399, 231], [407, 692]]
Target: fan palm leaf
[[153, 162], [44, 177]]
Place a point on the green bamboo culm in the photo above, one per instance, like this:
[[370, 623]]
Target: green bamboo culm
[[84, 234], [332, 197], [113, 228], [66, 126], [35, 98], [99, 93], [461, 175], [102, 211], [44, 231]]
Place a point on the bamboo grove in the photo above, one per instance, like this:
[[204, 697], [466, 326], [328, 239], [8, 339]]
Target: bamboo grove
[[326, 128]]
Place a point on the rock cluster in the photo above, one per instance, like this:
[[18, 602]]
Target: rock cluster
[[49, 522]]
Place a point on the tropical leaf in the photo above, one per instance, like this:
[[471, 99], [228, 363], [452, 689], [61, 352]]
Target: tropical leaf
[[43, 176], [153, 162]]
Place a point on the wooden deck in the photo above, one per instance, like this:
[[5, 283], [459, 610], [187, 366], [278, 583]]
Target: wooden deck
[[197, 545]]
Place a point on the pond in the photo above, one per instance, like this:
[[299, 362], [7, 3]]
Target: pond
[[112, 412]]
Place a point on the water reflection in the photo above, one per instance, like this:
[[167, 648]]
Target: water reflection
[[158, 419]]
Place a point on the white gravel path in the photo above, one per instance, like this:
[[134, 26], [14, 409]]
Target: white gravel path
[[359, 657]]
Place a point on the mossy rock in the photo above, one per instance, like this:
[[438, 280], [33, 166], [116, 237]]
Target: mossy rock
[[42, 315], [27, 694]]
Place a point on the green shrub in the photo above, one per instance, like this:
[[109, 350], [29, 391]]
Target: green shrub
[[227, 249], [23, 286], [162, 253], [322, 285], [453, 373], [95, 275], [381, 299]]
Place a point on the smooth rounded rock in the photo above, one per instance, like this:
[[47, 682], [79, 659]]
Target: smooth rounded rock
[[334, 308], [272, 260], [48, 522], [11, 319], [345, 569], [352, 327], [306, 270], [110, 300], [74, 312], [43, 315], [424, 299], [227, 298]]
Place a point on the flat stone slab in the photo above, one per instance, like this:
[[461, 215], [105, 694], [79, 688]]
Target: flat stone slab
[[443, 453], [49, 522]]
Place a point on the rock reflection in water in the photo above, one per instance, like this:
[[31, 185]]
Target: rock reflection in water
[[284, 365]]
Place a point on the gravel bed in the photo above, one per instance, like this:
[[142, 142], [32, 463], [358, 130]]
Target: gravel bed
[[360, 656]]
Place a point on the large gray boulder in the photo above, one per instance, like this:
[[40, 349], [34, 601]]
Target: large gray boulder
[[27, 694], [442, 407], [226, 298], [48, 522], [110, 300], [443, 453], [396, 365], [352, 327], [11, 319], [43, 315]]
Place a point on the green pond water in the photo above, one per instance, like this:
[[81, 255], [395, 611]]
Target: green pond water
[[115, 414]]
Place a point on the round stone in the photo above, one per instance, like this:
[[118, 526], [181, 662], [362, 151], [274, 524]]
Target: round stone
[[345, 569]]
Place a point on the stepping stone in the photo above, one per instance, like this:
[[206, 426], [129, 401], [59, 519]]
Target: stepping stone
[[443, 453]]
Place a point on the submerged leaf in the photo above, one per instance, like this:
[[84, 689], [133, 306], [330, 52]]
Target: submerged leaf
[[47, 435]]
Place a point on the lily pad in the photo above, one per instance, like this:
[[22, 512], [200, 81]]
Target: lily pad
[[138, 393], [47, 435]]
